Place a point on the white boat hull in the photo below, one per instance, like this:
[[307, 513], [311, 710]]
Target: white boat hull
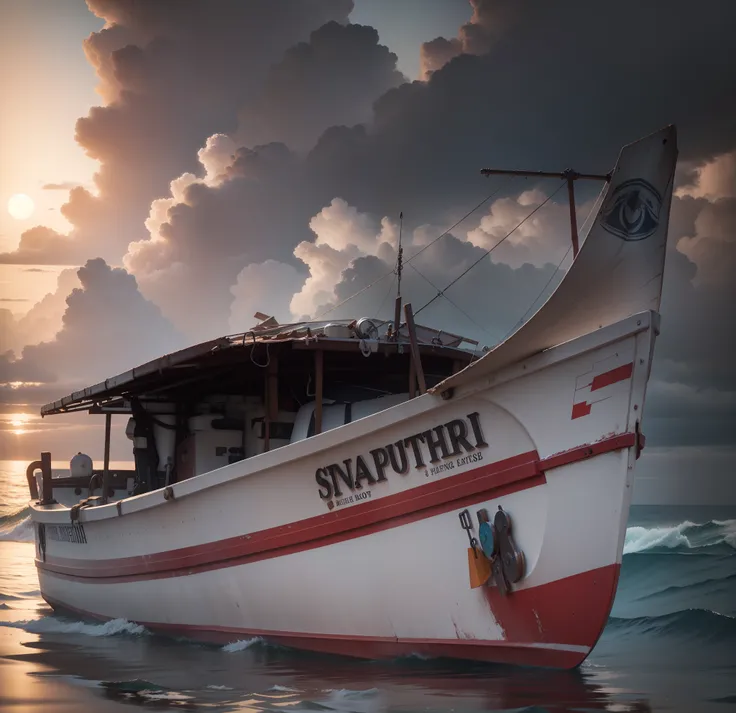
[[267, 547]]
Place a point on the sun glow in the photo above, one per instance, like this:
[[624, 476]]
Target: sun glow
[[21, 206], [19, 422]]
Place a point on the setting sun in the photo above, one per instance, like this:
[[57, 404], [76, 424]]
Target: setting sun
[[21, 206], [19, 423]]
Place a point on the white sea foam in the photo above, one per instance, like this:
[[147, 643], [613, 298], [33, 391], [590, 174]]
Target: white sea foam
[[220, 688], [241, 645], [20, 531], [639, 539], [345, 699], [52, 625], [172, 696], [686, 536], [283, 689]]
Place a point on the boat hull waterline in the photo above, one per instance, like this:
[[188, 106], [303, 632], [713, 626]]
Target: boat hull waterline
[[350, 542]]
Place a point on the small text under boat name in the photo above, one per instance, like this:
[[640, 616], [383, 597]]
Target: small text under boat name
[[438, 444]]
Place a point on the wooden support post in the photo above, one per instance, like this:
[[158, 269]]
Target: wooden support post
[[416, 359], [318, 386], [106, 463], [573, 215], [412, 378], [47, 491], [397, 318]]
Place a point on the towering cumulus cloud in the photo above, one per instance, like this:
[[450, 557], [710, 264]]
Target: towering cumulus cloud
[[107, 326], [171, 73], [257, 157]]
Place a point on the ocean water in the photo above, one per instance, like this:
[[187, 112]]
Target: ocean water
[[670, 644]]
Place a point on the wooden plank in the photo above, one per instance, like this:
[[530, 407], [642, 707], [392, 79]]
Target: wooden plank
[[416, 357], [412, 379], [106, 462]]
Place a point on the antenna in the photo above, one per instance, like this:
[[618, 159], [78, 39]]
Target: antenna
[[397, 309]]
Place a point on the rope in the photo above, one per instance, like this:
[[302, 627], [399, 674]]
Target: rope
[[417, 254], [456, 306], [441, 293]]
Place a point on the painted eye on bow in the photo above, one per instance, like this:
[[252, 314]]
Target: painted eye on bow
[[634, 213]]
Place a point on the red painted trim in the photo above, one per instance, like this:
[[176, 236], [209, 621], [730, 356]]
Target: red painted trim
[[614, 443], [620, 373], [580, 410], [572, 611], [492, 480]]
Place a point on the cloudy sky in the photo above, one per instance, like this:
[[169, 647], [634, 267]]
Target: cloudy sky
[[168, 168]]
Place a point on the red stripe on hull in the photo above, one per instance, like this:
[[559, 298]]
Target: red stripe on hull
[[493, 480], [580, 410], [569, 612], [620, 373], [500, 478]]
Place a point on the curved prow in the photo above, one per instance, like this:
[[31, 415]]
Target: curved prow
[[618, 271]]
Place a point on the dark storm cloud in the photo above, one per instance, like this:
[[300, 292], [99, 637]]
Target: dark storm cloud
[[332, 79], [489, 19], [107, 327], [532, 84]]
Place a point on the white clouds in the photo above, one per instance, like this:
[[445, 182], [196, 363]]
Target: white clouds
[[543, 238], [342, 235], [266, 287], [713, 180]]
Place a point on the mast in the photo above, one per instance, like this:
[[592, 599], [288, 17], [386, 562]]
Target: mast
[[397, 308], [570, 176]]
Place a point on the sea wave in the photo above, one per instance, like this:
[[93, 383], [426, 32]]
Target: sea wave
[[17, 526], [690, 624], [53, 625], [241, 645], [712, 537]]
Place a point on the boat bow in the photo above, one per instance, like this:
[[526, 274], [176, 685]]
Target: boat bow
[[618, 271]]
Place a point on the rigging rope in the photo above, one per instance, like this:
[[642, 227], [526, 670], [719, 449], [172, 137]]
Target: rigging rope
[[456, 306], [520, 321], [441, 293], [417, 254]]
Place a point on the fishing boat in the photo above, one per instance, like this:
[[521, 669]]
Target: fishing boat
[[376, 488]]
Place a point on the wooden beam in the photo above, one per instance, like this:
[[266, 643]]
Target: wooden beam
[[412, 379], [573, 215], [47, 491], [546, 174], [106, 462], [415, 356], [397, 318], [318, 386]]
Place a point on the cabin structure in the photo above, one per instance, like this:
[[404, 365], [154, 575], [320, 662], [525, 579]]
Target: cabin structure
[[234, 397]]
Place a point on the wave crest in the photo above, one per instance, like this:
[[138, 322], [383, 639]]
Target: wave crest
[[52, 625], [702, 624], [17, 526], [714, 536], [242, 644]]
